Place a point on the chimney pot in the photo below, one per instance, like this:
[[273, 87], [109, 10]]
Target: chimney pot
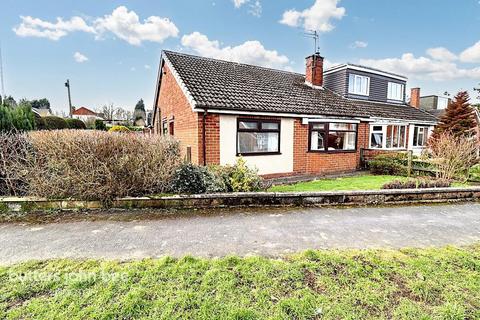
[[415, 98], [314, 71]]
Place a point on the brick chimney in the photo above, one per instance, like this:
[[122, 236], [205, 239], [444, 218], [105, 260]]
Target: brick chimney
[[415, 98], [314, 72]]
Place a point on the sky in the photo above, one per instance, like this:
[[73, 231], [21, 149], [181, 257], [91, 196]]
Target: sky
[[110, 50]]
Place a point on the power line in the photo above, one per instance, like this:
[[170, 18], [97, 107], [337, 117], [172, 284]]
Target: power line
[[1, 72]]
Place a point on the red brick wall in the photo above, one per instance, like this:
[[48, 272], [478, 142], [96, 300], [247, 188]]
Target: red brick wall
[[212, 133], [173, 103], [325, 163]]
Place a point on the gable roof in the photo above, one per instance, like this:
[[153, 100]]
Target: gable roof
[[224, 85], [83, 112]]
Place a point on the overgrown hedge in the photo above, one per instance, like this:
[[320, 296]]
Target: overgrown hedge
[[55, 123], [76, 124], [389, 164], [89, 165]]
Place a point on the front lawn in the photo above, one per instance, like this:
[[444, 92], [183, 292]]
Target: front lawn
[[361, 182], [407, 284]]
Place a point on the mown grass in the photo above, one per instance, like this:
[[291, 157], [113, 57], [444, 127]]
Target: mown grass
[[407, 284], [361, 182]]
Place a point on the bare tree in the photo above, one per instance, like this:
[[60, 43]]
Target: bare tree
[[108, 111]]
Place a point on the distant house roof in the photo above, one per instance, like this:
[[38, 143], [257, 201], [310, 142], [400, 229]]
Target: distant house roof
[[83, 112], [224, 85]]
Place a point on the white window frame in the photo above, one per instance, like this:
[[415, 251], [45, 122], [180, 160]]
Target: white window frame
[[425, 130], [390, 93], [352, 88], [384, 133]]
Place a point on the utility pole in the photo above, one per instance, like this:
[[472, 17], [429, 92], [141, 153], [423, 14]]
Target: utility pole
[[67, 84], [1, 73]]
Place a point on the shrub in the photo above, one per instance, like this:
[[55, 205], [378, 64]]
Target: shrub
[[417, 183], [76, 124], [16, 162], [55, 123], [40, 123], [390, 164], [95, 165], [19, 118], [453, 155], [243, 178], [119, 129], [100, 125], [474, 173], [193, 179]]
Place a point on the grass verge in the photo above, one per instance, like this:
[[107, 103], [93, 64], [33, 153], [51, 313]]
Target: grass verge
[[407, 284]]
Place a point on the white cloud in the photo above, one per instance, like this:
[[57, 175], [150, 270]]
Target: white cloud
[[34, 27], [147, 67], [423, 68], [359, 44], [239, 3], [442, 54], [471, 54], [317, 17], [251, 52], [79, 57], [255, 9], [126, 25]]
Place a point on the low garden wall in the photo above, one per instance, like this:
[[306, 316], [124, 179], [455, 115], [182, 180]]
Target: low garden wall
[[219, 200]]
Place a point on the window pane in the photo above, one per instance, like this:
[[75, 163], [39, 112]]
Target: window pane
[[255, 142], [351, 83], [377, 128], [389, 137], [343, 126], [247, 125], [317, 140], [341, 140], [415, 136], [318, 126], [270, 125], [377, 140], [395, 91], [403, 130]]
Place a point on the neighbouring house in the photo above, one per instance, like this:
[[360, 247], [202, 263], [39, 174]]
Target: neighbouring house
[[42, 112], [86, 115], [285, 123], [436, 105]]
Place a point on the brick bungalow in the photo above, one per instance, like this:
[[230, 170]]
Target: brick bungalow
[[285, 123]]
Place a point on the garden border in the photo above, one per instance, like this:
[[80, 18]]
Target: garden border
[[251, 199]]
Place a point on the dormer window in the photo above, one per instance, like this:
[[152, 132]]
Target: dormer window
[[395, 91], [358, 84]]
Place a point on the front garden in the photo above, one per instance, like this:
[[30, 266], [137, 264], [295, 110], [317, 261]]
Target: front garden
[[372, 284]]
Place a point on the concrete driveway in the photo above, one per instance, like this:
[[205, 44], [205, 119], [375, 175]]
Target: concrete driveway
[[269, 232]]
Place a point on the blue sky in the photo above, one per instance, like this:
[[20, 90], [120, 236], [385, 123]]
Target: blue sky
[[110, 49]]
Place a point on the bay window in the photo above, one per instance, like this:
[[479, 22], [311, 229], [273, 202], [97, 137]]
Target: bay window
[[333, 137], [420, 136], [388, 136], [358, 84], [257, 137], [395, 91]]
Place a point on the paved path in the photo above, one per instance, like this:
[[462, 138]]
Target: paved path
[[272, 232]]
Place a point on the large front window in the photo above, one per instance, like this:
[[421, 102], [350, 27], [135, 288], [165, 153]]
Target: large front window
[[388, 136], [420, 136], [258, 136], [358, 84], [333, 136]]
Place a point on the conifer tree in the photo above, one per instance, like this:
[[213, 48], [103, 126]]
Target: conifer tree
[[458, 119]]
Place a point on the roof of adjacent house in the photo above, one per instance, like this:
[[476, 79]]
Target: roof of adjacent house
[[224, 85], [82, 111]]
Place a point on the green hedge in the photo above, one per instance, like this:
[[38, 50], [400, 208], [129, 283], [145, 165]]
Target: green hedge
[[20, 118], [55, 123], [75, 124]]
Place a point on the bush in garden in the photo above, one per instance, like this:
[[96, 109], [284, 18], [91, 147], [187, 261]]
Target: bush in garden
[[118, 129], [243, 178], [193, 179], [100, 125], [389, 164], [452, 155], [17, 160], [95, 165], [417, 183], [76, 124], [55, 123], [18, 118], [40, 123], [474, 173]]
